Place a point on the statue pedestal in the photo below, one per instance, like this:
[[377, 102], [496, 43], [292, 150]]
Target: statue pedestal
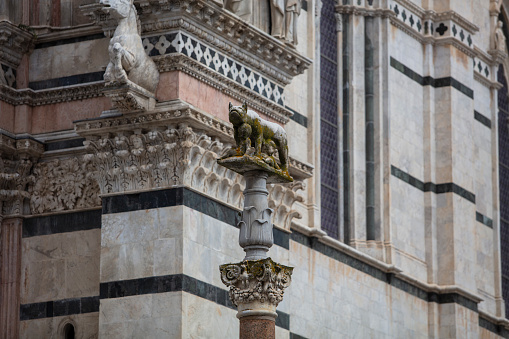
[[256, 284], [128, 96]]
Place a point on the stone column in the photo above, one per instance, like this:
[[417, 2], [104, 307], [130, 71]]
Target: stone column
[[255, 235], [257, 283]]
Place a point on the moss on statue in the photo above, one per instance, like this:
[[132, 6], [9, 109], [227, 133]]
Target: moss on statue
[[257, 142]]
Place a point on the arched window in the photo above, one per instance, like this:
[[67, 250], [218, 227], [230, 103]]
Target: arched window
[[69, 331]]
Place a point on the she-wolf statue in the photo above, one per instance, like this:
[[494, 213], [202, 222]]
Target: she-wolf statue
[[251, 130]]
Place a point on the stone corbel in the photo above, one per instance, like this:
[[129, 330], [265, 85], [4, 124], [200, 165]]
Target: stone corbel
[[14, 43], [16, 160], [129, 97], [498, 56], [100, 18]]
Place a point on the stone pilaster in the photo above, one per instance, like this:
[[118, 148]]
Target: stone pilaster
[[16, 159], [10, 276]]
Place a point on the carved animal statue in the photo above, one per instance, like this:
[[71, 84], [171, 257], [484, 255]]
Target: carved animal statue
[[251, 130], [128, 59]]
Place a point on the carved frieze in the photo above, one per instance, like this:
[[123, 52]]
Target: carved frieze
[[61, 185]]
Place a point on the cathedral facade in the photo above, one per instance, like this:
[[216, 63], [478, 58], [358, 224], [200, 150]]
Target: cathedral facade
[[115, 215]]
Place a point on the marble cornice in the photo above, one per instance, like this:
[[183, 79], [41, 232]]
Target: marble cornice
[[432, 15], [364, 11], [179, 62], [218, 27], [422, 25], [486, 82], [50, 34], [30, 97], [14, 43], [14, 146]]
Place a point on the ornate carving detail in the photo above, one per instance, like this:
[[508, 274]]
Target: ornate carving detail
[[50, 96], [129, 97], [209, 22], [208, 177], [128, 60], [281, 200], [261, 281], [61, 185], [173, 113], [14, 43], [138, 161], [15, 166]]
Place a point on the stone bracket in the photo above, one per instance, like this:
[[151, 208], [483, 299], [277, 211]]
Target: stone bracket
[[128, 97]]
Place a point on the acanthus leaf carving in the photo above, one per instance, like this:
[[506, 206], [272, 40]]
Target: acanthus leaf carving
[[261, 281], [61, 185]]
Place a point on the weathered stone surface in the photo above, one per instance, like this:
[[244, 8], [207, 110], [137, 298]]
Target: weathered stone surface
[[128, 60], [257, 286]]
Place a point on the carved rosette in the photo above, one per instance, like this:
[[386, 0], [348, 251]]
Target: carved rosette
[[256, 287]]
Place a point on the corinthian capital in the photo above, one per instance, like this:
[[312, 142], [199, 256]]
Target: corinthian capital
[[256, 285]]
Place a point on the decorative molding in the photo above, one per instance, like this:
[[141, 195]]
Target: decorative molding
[[257, 284], [486, 82], [220, 28], [225, 85], [423, 25], [364, 11], [14, 43], [30, 97], [222, 63], [281, 200], [168, 148], [63, 185]]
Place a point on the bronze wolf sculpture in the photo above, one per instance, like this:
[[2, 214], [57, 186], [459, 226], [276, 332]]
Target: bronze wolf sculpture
[[252, 131]]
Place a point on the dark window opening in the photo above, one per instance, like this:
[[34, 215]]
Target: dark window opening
[[503, 158], [69, 331], [329, 163]]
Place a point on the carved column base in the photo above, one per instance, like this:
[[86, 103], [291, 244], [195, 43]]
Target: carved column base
[[128, 97], [256, 288]]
